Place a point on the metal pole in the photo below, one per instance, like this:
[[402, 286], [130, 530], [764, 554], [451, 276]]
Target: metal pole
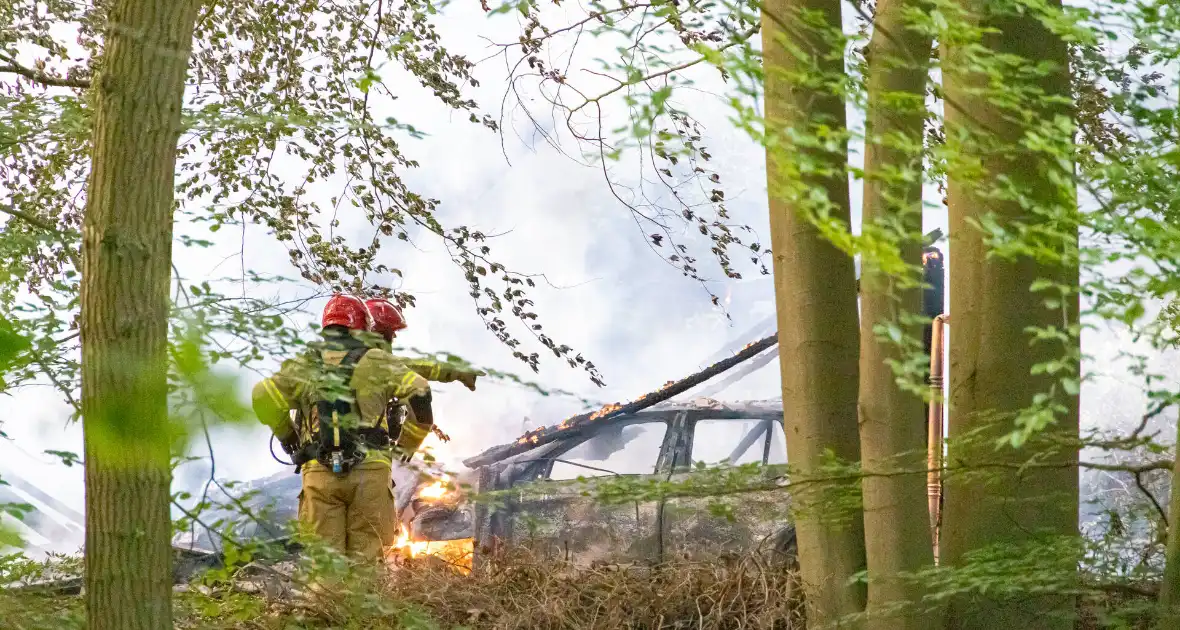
[[934, 421]]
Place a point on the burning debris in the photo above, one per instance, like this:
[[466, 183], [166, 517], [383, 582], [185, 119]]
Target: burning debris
[[545, 435], [611, 408], [438, 525]]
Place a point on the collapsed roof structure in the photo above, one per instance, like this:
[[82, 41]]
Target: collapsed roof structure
[[573, 425]]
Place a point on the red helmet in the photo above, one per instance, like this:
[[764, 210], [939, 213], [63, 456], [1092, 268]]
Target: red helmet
[[387, 317], [346, 310]]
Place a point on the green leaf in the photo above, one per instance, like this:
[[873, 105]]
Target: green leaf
[[367, 80], [12, 345], [68, 458], [1071, 386], [1133, 313]]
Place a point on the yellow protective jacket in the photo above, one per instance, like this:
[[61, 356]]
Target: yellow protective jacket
[[378, 378]]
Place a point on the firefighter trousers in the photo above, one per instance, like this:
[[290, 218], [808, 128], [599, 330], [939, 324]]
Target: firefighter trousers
[[355, 513]]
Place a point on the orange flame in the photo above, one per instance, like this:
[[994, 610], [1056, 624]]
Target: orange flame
[[457, 553], [435, 491], [605, 410], [408, 547]]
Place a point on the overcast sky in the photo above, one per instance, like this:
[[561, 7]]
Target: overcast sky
[[637, 318]]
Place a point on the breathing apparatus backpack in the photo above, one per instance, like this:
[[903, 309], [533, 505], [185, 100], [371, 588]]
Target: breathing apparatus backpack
[[334, 441]]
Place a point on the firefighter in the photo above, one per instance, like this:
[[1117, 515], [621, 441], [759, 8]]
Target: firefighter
[[341, 390], [387, 321]]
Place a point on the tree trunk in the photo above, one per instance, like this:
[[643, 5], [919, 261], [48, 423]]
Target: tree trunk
[[892, 431], [815, 289], [1169, 602], [988, 501], [127, 253]]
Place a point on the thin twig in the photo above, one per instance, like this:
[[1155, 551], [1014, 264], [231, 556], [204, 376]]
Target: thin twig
[[665, 72]]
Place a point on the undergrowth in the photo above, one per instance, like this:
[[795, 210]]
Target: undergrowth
[[515, 593]]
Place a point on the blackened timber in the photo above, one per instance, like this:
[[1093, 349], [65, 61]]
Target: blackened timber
[[546, 435]]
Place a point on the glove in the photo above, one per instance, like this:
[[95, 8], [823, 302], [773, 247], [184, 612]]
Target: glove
[[290, 445], [468, 378], [402, 456]]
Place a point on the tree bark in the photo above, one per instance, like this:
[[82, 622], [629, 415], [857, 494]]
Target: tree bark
[[892, 432], [991, 351], [815, 290], [127, 254]]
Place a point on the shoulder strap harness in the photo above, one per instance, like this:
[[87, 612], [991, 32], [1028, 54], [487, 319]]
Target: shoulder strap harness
[[336, 446]]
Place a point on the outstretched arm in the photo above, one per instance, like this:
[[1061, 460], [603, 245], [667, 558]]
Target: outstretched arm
[[443, 372]]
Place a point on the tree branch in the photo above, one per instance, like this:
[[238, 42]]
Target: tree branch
[[28, 218], [43, 78]]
